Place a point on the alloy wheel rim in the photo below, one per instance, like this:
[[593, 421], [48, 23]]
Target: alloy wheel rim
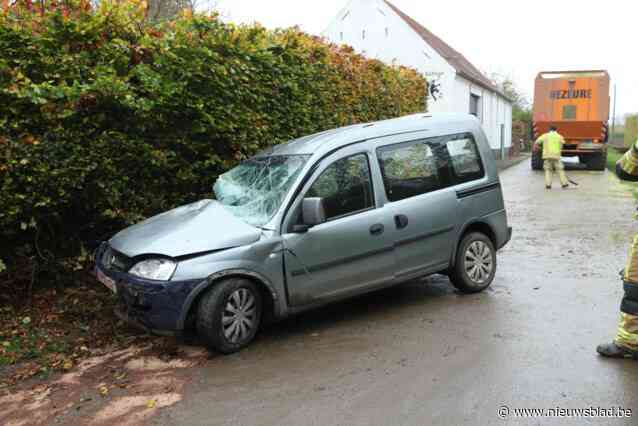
[[239, 316], [479, 262]]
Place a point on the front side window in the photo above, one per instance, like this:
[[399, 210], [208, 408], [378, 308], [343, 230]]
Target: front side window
[[254, 190], [465, 158], [345, 187], [409, 169]]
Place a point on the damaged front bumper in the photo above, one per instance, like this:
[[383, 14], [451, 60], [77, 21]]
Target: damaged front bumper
[[154, 306]]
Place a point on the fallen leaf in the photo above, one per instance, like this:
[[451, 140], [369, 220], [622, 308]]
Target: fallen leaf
[[67, 365], [103, 390], [151, 403], [26, 320]]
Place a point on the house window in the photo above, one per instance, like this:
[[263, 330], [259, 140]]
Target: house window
[[363, 34], [502, 141], [475, 106], [569, 112]]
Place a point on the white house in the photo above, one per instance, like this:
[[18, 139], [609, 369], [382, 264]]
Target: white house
[[378, 29]]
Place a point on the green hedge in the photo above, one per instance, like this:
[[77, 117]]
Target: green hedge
[[105, 119], [631, 129]]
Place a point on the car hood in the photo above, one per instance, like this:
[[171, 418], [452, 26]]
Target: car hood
[[195, 228]]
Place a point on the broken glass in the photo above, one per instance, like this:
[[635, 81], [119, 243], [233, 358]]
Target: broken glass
[[254, 190]]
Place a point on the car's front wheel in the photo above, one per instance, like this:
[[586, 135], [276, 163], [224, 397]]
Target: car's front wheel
[[475, 264], [229, 315]]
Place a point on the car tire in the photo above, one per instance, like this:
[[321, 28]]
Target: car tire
[[229, 315], [469, 275]]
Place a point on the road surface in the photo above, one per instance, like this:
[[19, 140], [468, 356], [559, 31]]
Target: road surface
[[423, 354]]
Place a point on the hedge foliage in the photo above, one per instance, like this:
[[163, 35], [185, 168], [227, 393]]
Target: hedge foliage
[[631, 129], [106, 119]]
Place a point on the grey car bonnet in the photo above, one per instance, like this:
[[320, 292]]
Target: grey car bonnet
[[195, 228]]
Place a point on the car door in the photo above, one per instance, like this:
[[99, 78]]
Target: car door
[[352, 251], [424, 206]]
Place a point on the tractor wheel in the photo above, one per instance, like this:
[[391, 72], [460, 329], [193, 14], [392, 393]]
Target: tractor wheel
[[597, 161]]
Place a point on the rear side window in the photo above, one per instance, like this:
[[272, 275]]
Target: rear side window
[[409, 169], [345, 187], [464, 156], [414, 168]]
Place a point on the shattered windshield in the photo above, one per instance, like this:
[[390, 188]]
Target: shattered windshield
[[254, 190]]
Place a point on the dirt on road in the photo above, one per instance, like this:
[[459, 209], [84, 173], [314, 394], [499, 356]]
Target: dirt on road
[[423, 354]]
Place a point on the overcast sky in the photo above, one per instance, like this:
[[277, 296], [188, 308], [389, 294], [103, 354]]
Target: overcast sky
[[514, 38]]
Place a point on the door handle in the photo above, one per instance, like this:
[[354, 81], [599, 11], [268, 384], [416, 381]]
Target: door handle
[[401, 221], [376, 229]]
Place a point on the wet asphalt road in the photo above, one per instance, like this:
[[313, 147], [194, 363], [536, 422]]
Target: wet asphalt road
[[422, 354]]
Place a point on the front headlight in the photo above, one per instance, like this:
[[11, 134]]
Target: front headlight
[[154, 269]]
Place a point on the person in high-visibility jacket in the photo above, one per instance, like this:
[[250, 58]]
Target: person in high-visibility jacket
[[552, 143], [626, 343]]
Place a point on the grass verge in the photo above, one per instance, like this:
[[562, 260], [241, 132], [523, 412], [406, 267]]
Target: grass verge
[[613, 155]]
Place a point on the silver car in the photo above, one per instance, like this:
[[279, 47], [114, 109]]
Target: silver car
[[312, 221]]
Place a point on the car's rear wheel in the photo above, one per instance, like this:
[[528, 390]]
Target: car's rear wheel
[[229, 315], [475, 264]]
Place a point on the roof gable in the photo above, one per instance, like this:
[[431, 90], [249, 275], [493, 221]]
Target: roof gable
[[459, 62]]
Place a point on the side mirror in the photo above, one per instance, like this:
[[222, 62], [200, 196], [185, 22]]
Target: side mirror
[[312, 213]]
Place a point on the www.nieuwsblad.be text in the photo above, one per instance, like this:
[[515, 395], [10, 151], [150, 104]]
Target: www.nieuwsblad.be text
[[505, 412]]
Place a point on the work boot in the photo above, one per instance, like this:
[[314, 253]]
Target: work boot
[[548, 187], [612, 350], [566, 186]]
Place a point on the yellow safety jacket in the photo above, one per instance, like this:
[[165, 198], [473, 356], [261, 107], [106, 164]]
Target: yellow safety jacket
[[627, 169], [552, 145], [627, 166]]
